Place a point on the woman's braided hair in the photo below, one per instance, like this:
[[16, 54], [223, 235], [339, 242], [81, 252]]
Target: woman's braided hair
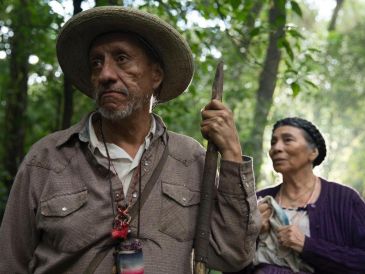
[[313, 135]]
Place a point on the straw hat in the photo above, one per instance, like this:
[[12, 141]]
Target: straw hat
[[77, 34]]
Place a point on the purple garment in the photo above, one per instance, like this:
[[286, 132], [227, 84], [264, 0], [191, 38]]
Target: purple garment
[[337, 229], [273, 269]]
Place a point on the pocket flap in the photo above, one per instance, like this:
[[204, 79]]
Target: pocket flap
[[63, 205], [181, 194]]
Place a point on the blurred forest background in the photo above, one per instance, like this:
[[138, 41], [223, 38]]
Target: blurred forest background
[[282, 58]]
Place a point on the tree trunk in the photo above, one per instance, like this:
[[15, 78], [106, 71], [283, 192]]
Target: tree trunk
[[16, 96], [332, 24], [267, 83], [67, 86]]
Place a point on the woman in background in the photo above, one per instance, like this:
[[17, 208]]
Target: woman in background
[[326, 230]]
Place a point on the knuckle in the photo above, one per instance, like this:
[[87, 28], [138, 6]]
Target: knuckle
[[226, 115]]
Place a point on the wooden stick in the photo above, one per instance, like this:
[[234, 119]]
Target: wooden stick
[[202, 233]]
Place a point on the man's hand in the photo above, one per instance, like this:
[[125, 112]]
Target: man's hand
[[218, 126], [291, 236]]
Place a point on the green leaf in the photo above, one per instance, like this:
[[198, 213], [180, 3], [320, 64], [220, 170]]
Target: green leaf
[[295, 88], [288, 63], [315, 50], [291, 71], [294, 33], [235, 4], [284, 43], [296, 8], [255, 31], [311, 83]]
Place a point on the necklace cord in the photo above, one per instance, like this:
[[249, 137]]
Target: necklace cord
[[109, 165], [310, 197], [297, 217], [139, 175]]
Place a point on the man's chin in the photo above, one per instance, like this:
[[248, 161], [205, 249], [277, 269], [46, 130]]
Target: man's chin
[[114, 115]]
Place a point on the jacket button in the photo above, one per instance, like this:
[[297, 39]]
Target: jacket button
[[117, 196]]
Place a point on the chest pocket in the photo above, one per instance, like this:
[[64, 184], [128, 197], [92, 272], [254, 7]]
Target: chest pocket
[[179, 210], [65, 221]]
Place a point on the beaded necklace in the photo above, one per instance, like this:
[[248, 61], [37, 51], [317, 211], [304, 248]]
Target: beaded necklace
[[122, 219]]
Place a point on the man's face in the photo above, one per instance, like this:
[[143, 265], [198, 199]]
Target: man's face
[[122, 75]]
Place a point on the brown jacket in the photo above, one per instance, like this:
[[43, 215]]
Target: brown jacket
[[59, 212]]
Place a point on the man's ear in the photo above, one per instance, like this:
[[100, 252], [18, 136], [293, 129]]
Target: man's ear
[[157, 75]]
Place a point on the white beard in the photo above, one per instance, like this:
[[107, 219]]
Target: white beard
[[115, 115], [134, 103]]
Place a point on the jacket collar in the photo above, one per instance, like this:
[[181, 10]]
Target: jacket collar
[[81, 130]]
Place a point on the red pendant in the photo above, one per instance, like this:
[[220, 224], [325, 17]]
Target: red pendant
[[121, 223], [120, 232]]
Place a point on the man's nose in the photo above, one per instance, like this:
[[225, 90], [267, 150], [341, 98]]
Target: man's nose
[[108, 72]]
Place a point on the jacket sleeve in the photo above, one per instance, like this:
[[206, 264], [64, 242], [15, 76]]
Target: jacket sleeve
[[336, 258], [235, 218], [18, 235]]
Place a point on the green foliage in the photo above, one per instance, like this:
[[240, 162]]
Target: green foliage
[[39, 33], [296, 88], [296, 8], [332, 96], [26, 29], [320, 77], [283, 43]]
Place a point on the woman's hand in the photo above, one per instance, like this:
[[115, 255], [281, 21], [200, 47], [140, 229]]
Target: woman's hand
[[291, 236], [265, 212]]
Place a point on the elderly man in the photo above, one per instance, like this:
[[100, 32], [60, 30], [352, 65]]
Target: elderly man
[[117, 191]]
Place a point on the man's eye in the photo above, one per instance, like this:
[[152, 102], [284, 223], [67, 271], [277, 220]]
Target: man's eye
[[121, 58], [95, 63]]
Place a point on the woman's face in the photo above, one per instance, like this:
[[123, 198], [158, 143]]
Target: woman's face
[[290, 151]]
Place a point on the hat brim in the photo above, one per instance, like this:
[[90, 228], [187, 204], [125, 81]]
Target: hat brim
[[76, 36]]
